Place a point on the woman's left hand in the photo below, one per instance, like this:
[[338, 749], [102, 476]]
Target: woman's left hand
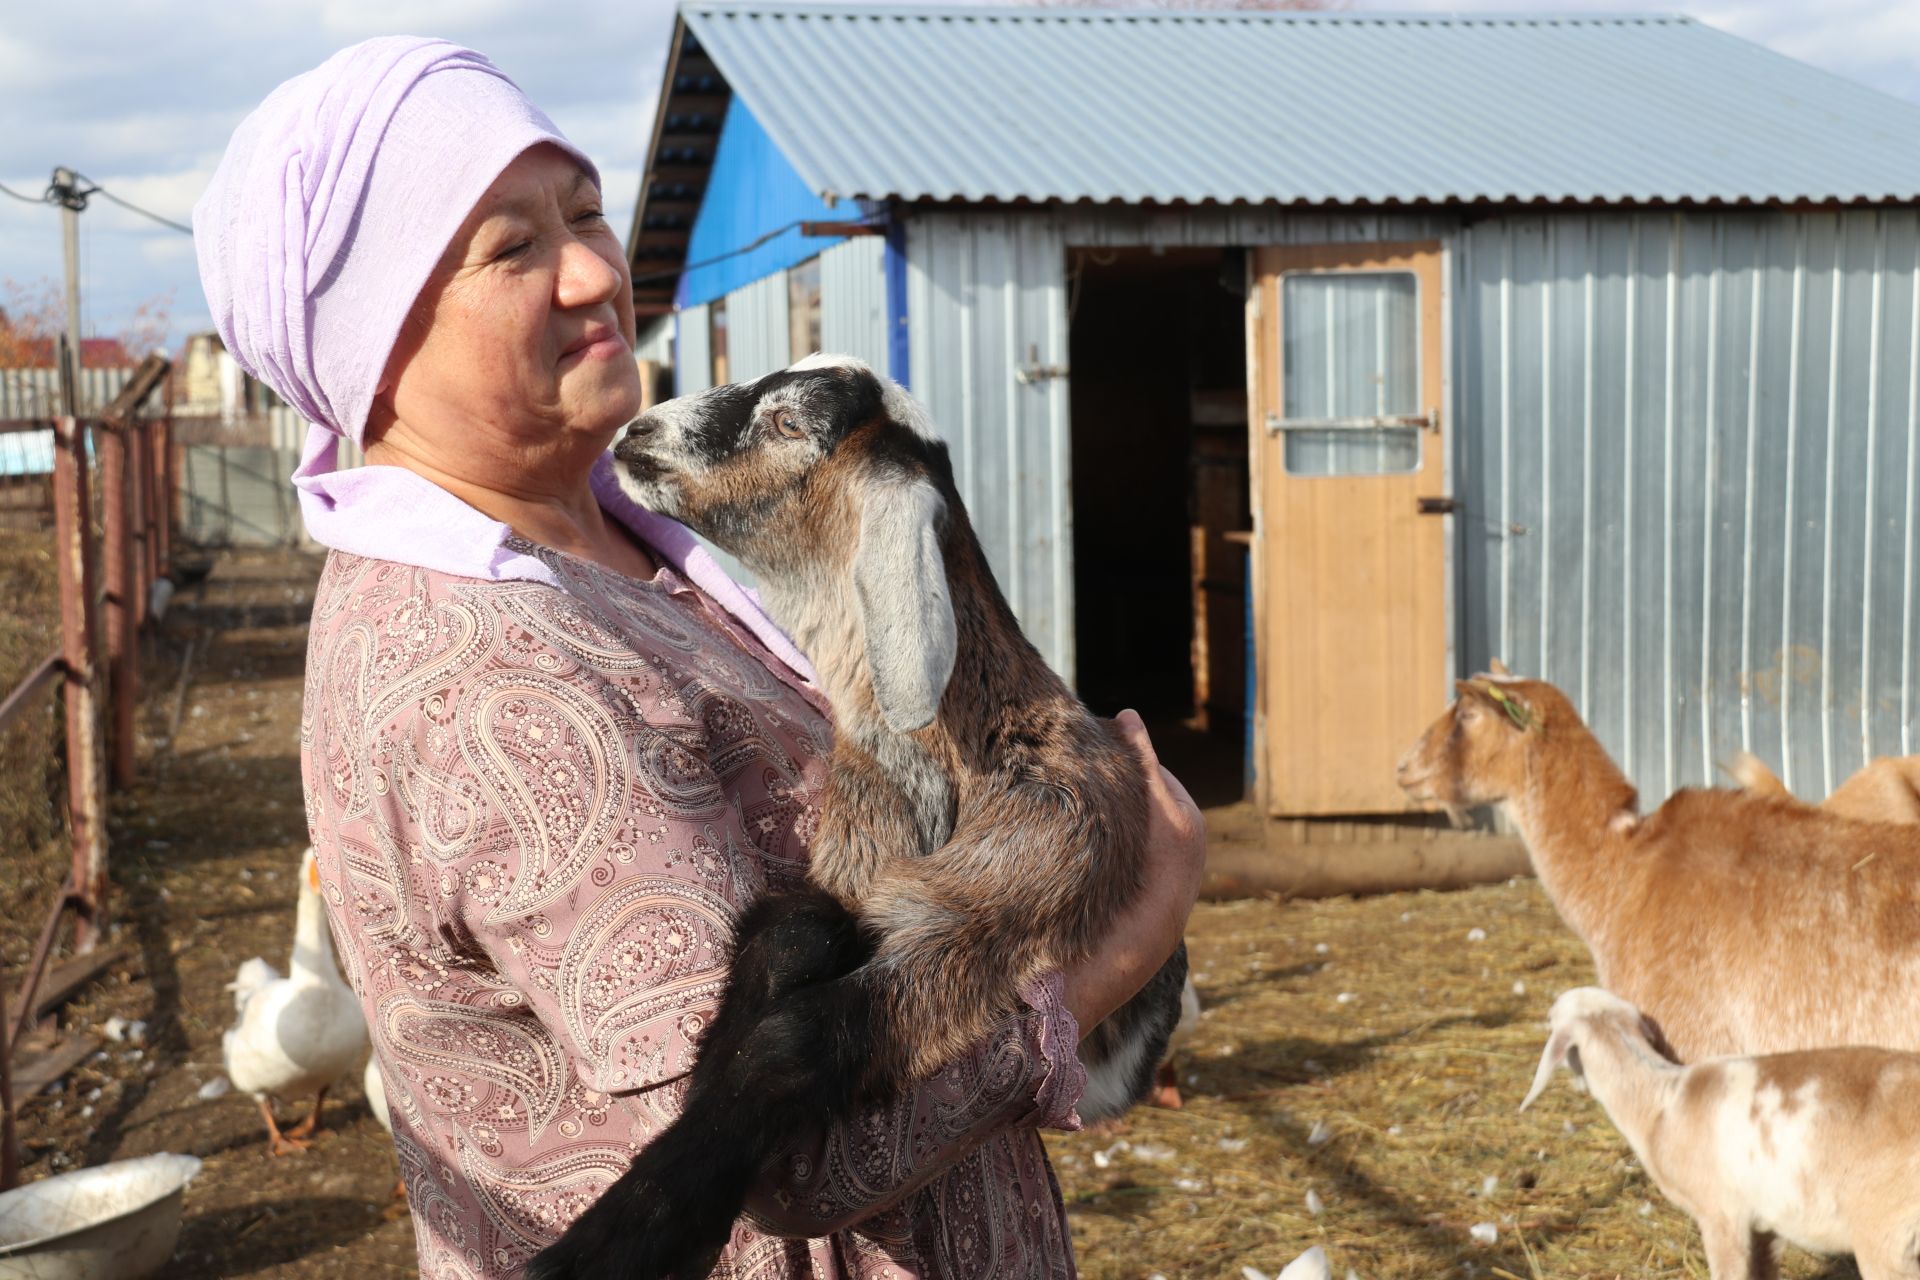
[[1145, 934]]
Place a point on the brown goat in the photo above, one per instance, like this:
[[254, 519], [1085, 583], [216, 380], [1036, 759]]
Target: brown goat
[[1743, 924], [979, 828], [1886, 789]]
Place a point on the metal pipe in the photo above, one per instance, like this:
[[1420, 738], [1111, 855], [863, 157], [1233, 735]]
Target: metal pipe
[[39, 679], [112, 445], [86, 792]]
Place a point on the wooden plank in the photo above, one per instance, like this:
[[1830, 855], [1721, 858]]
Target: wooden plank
[[35, 1071], [140, 384], [65, 978]]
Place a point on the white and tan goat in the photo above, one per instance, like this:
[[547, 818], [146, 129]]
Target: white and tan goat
[[1743, 924], [1819, 1148]]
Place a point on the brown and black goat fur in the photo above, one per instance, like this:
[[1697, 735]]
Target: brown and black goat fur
[[979, 826]]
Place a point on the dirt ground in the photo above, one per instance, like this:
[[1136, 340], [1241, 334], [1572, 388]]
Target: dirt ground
[[1369, 1051]]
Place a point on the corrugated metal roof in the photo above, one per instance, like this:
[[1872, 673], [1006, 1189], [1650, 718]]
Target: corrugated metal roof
[[978, 104]]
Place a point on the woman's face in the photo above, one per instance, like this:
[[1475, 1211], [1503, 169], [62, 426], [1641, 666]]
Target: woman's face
[[520, 347]]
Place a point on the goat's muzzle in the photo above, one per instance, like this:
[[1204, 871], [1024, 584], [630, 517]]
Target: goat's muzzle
[[634, 450]]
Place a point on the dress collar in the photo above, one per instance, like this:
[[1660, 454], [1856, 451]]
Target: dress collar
[[390, 513]]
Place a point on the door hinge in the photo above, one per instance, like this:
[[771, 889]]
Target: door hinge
[[1033, 371], [1439, 506]]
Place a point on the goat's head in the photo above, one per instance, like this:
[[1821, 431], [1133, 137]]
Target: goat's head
[[824, 470], [1585, 1012], [1476, 752]]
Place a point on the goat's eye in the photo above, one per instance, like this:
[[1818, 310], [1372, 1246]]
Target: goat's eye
[[783, 423]]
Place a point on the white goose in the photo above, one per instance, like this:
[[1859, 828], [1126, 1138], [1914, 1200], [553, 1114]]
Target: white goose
[[299, 1033]]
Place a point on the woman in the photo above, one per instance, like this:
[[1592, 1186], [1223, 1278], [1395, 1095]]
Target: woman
[[550, 750]]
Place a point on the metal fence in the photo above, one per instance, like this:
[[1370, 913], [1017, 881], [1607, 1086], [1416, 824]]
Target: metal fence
[[107, 575], [35, 393]]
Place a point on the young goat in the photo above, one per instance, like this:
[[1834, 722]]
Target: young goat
[[1819, 1148], [1741, 923], [979, 827], [1886, 789]]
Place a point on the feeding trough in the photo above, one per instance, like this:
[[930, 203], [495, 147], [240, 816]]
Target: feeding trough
[[113, 1222]]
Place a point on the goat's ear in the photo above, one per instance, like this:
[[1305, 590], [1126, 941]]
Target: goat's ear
[[901, 580], [1559, 1046], [1658, 1039]]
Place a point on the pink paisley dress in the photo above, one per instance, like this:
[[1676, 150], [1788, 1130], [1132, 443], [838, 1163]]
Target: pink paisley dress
[[538, 808]]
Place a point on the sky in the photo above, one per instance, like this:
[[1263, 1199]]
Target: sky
[[141, 96]]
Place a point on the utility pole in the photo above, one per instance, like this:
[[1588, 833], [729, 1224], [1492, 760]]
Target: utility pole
[[65, 191]]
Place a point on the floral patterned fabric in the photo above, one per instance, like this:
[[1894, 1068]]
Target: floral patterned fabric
[[538, 811]]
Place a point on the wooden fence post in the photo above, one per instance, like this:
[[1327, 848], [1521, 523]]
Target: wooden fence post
[[112, 444], [86, 782]]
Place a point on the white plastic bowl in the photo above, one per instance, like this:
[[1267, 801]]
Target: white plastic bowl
[[112, 1222]]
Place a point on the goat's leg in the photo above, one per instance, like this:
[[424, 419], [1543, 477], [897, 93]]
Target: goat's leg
[[865, 823], [1735, 1251], [1892, 1254], [754, 1089], [783, 942]]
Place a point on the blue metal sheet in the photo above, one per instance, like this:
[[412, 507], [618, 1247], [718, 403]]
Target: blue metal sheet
[[990, 103], [752, 194]]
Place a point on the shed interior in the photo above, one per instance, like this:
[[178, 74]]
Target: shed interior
[[1157, 350]]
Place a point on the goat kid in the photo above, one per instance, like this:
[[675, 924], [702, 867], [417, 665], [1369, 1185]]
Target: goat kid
[[1742, 924], [979, 826], [1819, 1148]]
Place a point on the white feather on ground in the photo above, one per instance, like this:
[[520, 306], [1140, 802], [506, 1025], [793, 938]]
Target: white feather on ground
[[1311, 1265]]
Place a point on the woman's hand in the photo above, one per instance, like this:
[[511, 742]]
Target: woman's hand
[[1145, 934]]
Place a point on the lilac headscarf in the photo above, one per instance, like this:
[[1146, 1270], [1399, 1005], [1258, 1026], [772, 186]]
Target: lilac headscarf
[[331, 207]]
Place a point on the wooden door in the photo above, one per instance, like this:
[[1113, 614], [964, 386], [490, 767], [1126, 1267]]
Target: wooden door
[[1349, 562]]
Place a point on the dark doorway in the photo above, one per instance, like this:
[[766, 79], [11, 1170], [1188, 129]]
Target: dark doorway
[[1157, 345]]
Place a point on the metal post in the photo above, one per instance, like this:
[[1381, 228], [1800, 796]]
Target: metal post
[[165, 496], [137, 455], [123, 654], [70, 207], [86, 792], [146, 502]]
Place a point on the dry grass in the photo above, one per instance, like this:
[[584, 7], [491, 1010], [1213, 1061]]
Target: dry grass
[[1416, 1076], [31, 778]]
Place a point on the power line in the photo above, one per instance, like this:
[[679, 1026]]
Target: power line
[[99, 190], [749, 247], [7, 190]]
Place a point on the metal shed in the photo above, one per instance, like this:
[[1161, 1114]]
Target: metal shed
[[1591, 343]]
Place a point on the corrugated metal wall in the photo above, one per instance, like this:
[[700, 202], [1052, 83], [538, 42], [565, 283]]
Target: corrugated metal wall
[[1687, 446], [987, 298], [1688, 451], [35, 393], [757, 334], [693, 351], [655, 340], [853, 300]]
